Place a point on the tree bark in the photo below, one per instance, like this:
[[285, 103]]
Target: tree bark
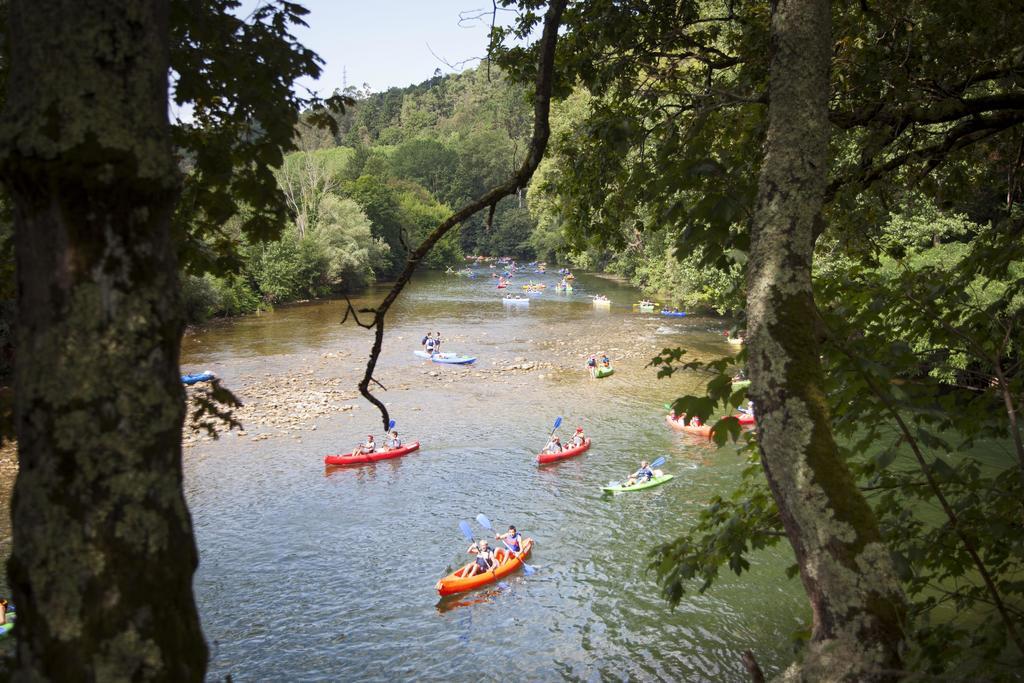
[[857, 603], [103, 552]]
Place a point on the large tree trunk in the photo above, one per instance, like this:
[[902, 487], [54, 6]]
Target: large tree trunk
[[103, 551], [847, 572]]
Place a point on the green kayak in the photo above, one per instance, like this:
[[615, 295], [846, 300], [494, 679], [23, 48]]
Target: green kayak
[[603, 372], [657, 481]]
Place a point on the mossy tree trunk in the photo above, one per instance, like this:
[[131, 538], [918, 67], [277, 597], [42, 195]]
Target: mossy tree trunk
[[847, 573], [103, 551]]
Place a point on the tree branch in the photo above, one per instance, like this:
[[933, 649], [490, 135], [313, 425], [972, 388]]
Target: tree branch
[[535, 152]]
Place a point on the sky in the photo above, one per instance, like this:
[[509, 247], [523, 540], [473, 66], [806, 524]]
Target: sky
[[388, 43]]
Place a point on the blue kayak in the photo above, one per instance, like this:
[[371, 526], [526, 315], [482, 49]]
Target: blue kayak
[[674, 314], [448, 358], [200, 377]]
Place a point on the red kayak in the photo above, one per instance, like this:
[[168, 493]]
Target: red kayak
[[544, 458], [362, 459]]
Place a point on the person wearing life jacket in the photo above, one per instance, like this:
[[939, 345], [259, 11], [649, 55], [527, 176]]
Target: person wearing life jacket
[[512, 539], [578, 438], [484, 561], [369, 446], [695, 421], [392, 440], [431, 344], [605, 361], [592, 364], [554, 445], [645, 473]]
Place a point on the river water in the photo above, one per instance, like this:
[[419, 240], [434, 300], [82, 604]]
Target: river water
[[310, 573], [314, 573]]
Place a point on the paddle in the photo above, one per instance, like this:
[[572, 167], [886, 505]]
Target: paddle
[[558, 423], [486, 523], [657, 463], [466, 530]]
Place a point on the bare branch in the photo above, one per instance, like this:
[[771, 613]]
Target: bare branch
[[535, 152]]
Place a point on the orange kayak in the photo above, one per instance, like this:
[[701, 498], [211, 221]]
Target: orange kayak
[[507, 563], [702, 430], [705, 429]]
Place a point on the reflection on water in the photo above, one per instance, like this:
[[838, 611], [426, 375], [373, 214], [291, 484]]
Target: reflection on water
[[310, 573]]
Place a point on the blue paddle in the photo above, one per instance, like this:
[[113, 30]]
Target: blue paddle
[[486, 523], [657, 463], [466, 530], [391, 425], [558, 423]]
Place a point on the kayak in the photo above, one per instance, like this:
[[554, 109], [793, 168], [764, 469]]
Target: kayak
[[736, 340], [674, 314], [507, 563], [545, 458], [502, 286], [603, 372], [449, 358], [705, 429], [364, 458], [198, 377], [622, 488], [516, 302], [602, 302], [702, 430], [645, 308]]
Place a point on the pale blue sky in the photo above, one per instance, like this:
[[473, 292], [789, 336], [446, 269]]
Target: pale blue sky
[[385, 42]]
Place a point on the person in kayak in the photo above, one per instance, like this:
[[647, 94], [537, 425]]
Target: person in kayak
[[512, 539], [392, 440], [645, 473], [577, 438], [554, 445], [605, 361], [484, 561], [369, 446]]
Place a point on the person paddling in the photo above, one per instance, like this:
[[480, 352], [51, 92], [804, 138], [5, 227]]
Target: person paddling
[[554, 445], [392, 440], [367, 447], [645, 473], [512, 539], [484, 561]]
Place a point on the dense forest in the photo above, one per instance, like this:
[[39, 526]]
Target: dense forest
[[397, 163]]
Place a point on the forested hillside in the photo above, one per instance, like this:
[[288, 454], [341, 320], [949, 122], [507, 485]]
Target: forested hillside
[[359, 198]]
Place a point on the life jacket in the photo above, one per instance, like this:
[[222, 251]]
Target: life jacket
[[514, 542]]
